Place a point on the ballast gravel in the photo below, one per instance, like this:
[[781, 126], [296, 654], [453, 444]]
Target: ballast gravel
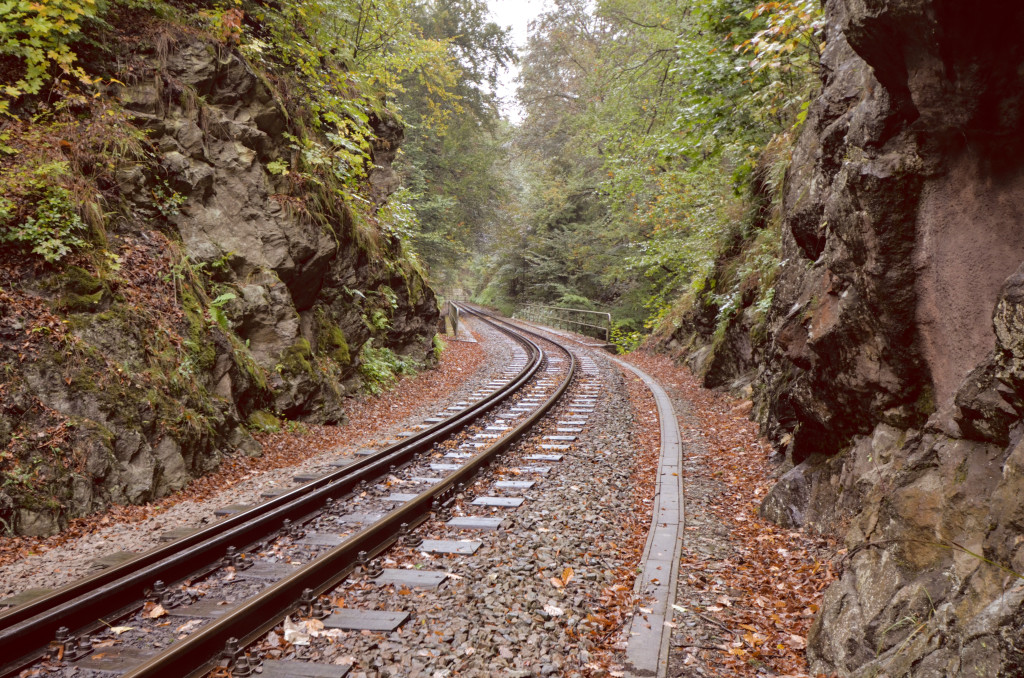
[[536, 598]]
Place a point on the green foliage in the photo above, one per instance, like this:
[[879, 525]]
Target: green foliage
[[380, 368], [624, 339], [389, 297], [656, 137], [167, 200], [453, 158], [278, 167], [439, 346], [38, 36], [216, 309], [376, 320], [346, 58], [52, 229]]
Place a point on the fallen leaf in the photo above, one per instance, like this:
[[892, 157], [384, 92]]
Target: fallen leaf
[[156, 612], [567, 575], [189, 626], [554, 610], [118, 630], [556, 582]]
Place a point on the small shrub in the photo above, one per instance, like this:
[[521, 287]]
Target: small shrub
[[52, 231], [624, 339], [380, 368]]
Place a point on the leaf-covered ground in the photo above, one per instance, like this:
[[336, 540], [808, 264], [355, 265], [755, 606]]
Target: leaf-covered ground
[[748, 589]]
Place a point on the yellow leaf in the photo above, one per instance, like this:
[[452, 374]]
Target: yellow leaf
[[567, 575], [157, 611]]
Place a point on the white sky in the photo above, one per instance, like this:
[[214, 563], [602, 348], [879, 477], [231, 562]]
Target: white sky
[[517, 14]]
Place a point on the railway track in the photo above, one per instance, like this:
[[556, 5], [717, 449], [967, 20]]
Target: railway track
[[304, 529]]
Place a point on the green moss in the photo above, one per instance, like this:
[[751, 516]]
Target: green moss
[[330, 339], [247, 364], [77, 280], [202, 353], [925, 404], [79, 290], [296, 358], [961, 473], [80, 303], [332, 342], [264, 422]]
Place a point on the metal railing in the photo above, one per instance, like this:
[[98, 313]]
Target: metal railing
[[597, 324]]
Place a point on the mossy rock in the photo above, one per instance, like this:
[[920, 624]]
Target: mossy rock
[[332, 342], [80, 291], [77, 280], [264, 422], [80, 303], [296, 358]]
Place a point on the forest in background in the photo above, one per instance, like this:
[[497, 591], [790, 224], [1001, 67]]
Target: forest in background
[[655, 141]]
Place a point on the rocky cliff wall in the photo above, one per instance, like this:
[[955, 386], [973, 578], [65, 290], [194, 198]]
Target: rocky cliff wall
[[892, 377], [240, 294]]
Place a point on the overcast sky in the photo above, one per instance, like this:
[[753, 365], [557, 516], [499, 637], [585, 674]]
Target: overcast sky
[[517, 14]]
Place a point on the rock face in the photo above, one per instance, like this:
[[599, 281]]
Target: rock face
[[269, 298], [893, 376]]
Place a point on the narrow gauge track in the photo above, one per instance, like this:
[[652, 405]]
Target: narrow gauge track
[[28, 632]]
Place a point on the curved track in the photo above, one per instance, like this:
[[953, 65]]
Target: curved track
[[27, 632]]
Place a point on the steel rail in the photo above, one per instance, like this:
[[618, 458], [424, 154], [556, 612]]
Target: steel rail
[[115, 590], [198, 654]]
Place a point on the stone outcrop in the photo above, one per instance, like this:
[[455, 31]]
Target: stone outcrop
[[893, 374], [271, 296], [890, 369]]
